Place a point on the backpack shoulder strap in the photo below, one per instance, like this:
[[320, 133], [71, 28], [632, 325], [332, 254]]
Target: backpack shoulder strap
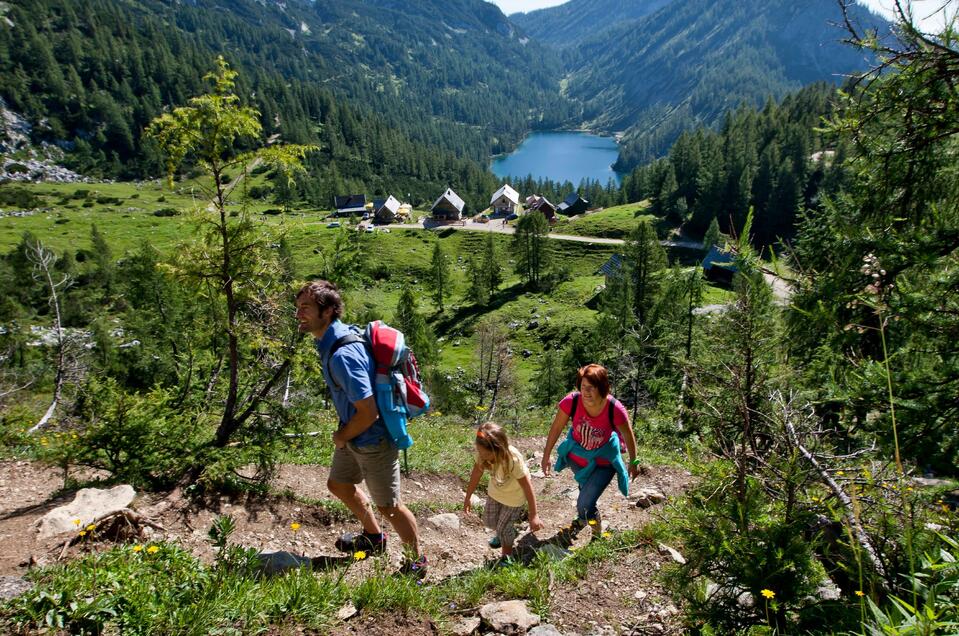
[[612, 407], [572, 409], [340, 342]]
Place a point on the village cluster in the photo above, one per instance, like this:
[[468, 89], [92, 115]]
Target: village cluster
[[450, 207]]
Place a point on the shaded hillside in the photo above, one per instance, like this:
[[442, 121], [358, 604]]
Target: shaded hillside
[[569, 24], [451, 75], [688, 63]]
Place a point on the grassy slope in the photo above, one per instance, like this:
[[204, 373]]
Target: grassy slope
[[405, 253]]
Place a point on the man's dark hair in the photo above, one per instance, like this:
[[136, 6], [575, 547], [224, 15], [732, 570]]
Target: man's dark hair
[[325, 295]]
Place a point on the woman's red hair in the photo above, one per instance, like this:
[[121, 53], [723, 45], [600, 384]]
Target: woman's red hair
[[596, 375]]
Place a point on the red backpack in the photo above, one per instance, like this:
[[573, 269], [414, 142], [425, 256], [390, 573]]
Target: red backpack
[[397, 387]]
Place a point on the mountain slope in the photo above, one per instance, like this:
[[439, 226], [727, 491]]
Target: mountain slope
[[690, 61], [568, 24]]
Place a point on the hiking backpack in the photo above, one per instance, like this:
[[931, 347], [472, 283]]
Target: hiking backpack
[[396, 386]]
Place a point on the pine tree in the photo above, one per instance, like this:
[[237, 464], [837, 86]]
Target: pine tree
[[419, 336], [530, 247], [492, 266], [645, 257], [712, 236]]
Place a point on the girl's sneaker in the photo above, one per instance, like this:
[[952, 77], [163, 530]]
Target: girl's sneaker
[[494, 541]]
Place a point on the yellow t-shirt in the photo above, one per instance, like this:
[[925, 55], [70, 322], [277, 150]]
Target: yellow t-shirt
[[504, 480]]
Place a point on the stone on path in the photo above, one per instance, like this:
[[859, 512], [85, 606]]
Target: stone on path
[[467, 626], [446, 522], [509, 617], [646, 497], [347, 612], [278, 562], [544, 630], [89, 505]]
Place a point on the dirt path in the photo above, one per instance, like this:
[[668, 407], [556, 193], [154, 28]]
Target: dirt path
[[28, 490]]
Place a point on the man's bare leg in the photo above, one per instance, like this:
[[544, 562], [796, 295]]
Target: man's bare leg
[[356, 500]]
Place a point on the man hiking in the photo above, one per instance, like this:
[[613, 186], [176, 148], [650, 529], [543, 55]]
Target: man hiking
[[364, 450]]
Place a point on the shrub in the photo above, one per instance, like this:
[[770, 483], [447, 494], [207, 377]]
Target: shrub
[[166, 212], [17, 168]]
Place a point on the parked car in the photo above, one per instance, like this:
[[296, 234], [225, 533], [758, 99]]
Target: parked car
[[481, 219], [333, 224], [370, 229], [512, 217]]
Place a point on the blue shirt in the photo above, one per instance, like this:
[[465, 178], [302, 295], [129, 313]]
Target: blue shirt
[[349, 376]]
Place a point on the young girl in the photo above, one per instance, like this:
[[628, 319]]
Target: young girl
[[509, 486]]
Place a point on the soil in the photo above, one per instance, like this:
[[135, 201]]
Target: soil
[[617, 596]]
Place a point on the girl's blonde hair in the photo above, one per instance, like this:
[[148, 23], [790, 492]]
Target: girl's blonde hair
[[492, 437]]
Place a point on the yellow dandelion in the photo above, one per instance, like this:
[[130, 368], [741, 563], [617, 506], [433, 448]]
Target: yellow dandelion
[[91, 527], [153, 549], [294, 526], [910, 488], [860, 593], [840, 473], [137, 548], [768, 593], [592, 522], [83, 533], [479, 408], [359, 556], [76, 522], [606, 535]]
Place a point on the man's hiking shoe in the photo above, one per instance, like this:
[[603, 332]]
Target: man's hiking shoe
[[494, 541], [416, 569], [353, 542]]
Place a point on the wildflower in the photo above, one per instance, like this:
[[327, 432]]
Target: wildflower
[[359, 555], [840, 473], [76, 522], [153, 549], [91, 527], [294, 526], [479, 408], [137, 548], [606, 535], [592, 522], [768, 593], [860, 593], [83, 533]]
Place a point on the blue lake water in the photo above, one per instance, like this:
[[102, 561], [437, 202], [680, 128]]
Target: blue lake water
[[561, 156]]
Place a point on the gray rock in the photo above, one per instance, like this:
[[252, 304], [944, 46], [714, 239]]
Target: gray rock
[[646, 497], [12, 586], [544, 630], [509, 617], [467, 626], [89, 505], [346, 612], [271, 563], [446, 522], [672, 552]]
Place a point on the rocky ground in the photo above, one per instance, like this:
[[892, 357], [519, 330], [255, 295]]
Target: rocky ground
[[618, 597]]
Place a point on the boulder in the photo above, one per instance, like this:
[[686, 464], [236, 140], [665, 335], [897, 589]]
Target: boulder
[[12, 586], [89, 505], [271, 563], [509, 617], [446, 522]]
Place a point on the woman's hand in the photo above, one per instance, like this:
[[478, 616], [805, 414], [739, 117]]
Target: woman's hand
[[545, 465], [467, 504], [634, 471]]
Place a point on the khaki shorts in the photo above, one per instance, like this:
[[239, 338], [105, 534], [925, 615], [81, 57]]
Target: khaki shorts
[[378, 465]]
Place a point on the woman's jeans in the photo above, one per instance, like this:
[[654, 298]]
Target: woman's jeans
[[590, 491]]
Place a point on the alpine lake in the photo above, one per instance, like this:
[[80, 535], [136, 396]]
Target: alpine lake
[[561, 156]]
